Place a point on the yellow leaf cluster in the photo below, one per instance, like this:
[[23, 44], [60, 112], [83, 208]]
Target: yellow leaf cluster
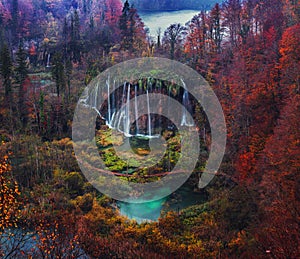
[[9, 192]]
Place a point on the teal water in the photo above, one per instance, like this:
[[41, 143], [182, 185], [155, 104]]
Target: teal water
[[155, 20], [151, 211]]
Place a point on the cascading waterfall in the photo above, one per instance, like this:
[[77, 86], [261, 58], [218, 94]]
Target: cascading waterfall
[[136, 111], [48, 60], [118, 113], [149, 115], [127, 114], [94, 100], [186, 107], [113, 112], [160, 90], [169, 96], [108, 121], [121, 113], [94, 96]]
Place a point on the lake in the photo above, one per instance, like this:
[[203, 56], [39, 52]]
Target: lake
[[154, 20]]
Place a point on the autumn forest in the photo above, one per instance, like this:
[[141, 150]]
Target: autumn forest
[[249, 53]]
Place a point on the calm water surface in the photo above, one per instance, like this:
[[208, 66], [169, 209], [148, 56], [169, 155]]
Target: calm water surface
[[155, 20], [151, 211]]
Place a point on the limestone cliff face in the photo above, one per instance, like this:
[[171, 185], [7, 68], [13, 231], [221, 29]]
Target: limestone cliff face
[[170, 5]]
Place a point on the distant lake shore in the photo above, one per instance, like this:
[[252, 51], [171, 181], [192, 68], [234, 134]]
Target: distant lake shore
[[171, 5], [171, 10], [162, 19]]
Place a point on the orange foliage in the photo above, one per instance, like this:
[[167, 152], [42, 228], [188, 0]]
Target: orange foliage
[[9, 193], [245, 165], [290, 53], [280, 184]]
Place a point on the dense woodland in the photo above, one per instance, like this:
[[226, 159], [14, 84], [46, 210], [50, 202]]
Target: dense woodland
[[248, 51]]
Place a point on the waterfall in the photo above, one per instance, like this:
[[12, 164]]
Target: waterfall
[[127, 114], [168, 111], [90, 99], [160, 102], [113, 103], [185, 121], [121, 113], [48, 60], [117, 114], [94, 105], [108, 121], [149, 116], [95, 101], [136, 111], [149, 84], [117, 111]]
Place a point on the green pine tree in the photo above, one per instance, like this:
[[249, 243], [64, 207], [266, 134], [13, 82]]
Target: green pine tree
[[21, 75], [21, 69], [15, 18], [124, 26], [1, 31], [58, 73], [75, 37], [68, 69], [6, 69]]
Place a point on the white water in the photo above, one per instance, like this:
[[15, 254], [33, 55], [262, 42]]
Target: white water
[[127, 114], [48, 60], [149, 116], [136, 111], [121, 119], [186, 105], [108, 102]]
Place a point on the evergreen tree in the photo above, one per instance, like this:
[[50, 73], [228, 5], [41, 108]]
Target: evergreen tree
[[58, 73], [132, 26], [68, 68], [21, 69], [65, 37], [41, 115], [158, 37], [215, 27], [124, 21], [132, 29], [14, 18], [92, 24], [6, 69], [75, 37], [1, 30], [76, 29], [21, 75], [84, 6]]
